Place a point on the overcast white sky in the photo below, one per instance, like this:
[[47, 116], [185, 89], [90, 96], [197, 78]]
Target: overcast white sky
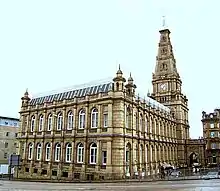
[[51, 44]]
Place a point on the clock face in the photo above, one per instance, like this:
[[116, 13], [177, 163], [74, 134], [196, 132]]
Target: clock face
[[163, 86]]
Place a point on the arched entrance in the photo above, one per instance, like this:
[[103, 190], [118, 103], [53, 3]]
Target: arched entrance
[[193, 158]]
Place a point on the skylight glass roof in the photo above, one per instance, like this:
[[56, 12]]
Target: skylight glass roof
[[70, 94]]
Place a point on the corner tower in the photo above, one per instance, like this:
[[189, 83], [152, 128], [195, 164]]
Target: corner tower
[[167, 89]]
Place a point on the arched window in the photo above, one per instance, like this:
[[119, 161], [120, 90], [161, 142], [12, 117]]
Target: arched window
[[41, 123], [141, 154], [146, 154], [59, 121], [128, 157], [128, 118], [141, 124], [38, 155], [70, 121], [80, 153], [48, 150], [151, 124], [94, 118], [82, 118], [32, 123], [155, 127], [57, 152], [146, 124], [151, 154], [49, 122], [137, 126], [93, 153], [68, 152], [30, 151]]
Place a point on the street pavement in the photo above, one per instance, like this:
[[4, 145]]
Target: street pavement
[[187, 185]]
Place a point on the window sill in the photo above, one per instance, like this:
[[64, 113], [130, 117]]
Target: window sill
[[80, 130], [91, 165], [78, 165]]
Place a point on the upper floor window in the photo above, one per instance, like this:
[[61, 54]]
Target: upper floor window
[[32, 123], [80, 153], [30, 151], [70, 121], [6, 145], [68, 152], [141, 124], [213, 146], [94, 118], [82, 118], [48, 151], [105, 119], [104, 157], [93, 153], [7, 134], [57, 152], [49, 122], [41, 123], [212, 134], [151, 124], [128, 118], [39, 151], [59, 121], [137, 125], [141, 154], [212, 125], [146, 124]]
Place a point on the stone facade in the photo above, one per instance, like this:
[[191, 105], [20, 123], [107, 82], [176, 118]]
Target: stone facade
[[105, 131], [8, 133], [211, 134]]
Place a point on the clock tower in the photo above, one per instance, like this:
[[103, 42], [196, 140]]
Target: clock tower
[[167, 89]]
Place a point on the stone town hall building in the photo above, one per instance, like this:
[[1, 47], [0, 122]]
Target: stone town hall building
[[105, 131]]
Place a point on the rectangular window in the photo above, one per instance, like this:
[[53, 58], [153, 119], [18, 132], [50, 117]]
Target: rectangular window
[[212, 134], [104, 157], [7, 134], [211, 125], [105, 119], [5, 155], [213, 145]]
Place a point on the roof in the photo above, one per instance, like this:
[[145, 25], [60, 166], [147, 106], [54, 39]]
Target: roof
[[70, 93], [10, 118], [154, 104]]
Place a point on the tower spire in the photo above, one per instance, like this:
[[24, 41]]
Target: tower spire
[[164, 22], [166, 63]]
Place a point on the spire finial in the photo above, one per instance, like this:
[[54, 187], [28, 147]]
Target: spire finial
[[164, 21], [119, 72], [130, 74]]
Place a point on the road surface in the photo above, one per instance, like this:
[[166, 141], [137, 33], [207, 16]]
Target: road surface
[[190, 185]]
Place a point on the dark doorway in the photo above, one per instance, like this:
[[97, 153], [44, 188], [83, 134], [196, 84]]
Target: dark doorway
[[193, 158]]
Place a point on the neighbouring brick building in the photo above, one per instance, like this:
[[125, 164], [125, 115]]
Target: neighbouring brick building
[[106, 131], [211, 133], [8, 133]]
